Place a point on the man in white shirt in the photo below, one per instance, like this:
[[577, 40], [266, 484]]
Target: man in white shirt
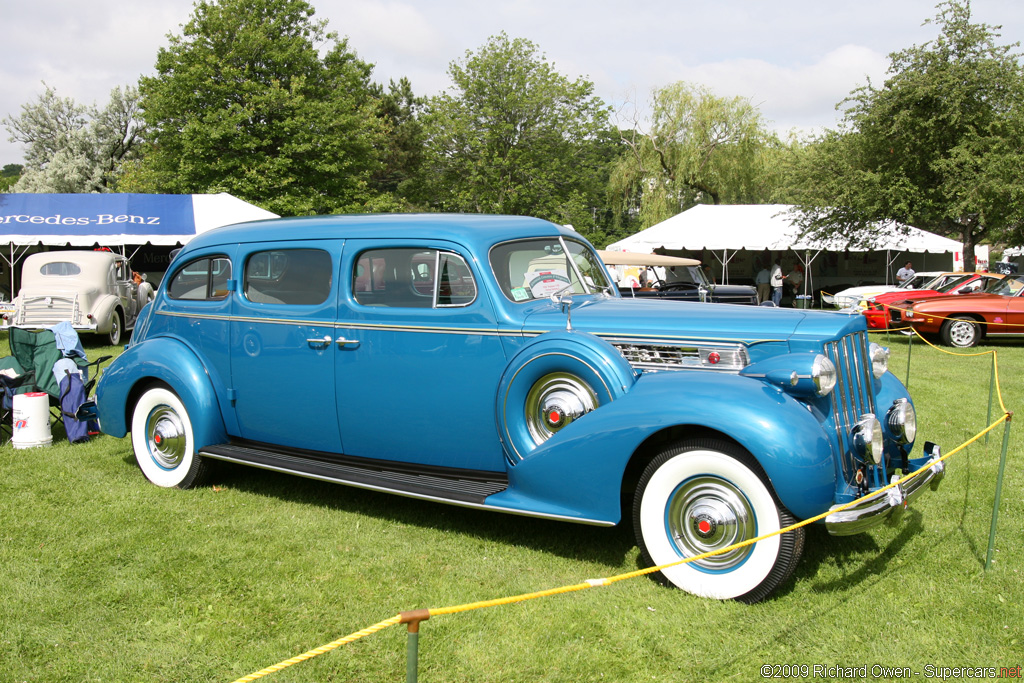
[[905, 273], [776, 282]]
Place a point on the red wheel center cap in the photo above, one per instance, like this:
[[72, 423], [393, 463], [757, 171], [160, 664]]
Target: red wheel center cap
[[554, 417], [157, 438], [704, 526]]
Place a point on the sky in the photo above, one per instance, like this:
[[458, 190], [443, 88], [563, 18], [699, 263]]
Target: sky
[[793, 59]]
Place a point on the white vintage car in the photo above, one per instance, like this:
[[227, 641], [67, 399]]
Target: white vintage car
[[93, 290]]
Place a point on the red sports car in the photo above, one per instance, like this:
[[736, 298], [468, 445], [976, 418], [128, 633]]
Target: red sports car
[[964, 320], [885, 311]]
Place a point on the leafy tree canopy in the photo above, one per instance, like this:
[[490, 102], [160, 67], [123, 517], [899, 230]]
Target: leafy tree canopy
[[257, 99], [513, 136], [72, 148], [700, 148], [938, 146]]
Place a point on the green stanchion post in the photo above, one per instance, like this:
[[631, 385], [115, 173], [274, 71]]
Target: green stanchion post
[[999, 492], [412, 646], [991, 393], [910, 348]]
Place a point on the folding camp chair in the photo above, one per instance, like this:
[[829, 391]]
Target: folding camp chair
[[37, 353]]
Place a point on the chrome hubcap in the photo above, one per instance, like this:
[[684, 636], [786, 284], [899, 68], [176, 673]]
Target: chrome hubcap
[[707, 513], [554, 402], [166, 436]]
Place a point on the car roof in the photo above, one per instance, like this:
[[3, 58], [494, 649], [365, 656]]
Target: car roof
[[471, 229]]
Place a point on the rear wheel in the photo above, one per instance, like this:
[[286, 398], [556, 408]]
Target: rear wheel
[[701, 495], [961, 331], [115, 328]]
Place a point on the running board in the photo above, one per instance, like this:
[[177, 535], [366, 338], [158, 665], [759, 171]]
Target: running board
[[433, 483]]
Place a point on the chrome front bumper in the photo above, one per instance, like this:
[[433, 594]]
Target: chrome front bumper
[[872, 510]]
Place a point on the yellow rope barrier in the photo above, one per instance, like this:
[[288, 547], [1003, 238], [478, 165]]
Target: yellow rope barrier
[[594, 583], [323, 649]]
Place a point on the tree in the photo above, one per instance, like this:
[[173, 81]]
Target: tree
[[74, 148], [513, 136], [9, 175], [700, 148], [938, 146], [256, 99]]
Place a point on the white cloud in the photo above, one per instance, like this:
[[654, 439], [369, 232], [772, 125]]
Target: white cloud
[[796, 59]]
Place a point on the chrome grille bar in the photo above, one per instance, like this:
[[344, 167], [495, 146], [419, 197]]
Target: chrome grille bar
[[853, 395]]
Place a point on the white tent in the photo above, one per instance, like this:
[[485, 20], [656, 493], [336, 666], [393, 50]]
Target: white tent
[[724, 230]]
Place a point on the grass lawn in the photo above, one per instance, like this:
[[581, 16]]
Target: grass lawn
[[105, 577]]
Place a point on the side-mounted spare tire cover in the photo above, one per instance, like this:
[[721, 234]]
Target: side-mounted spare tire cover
[[553, 381]]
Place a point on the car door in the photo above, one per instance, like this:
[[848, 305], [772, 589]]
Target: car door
[[419, 357], [282, 354]]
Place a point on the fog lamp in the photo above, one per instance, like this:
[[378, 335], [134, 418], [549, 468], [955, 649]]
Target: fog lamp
[[867, 438]]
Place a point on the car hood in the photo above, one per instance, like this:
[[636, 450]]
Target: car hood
[[959, 301], [614, 317]]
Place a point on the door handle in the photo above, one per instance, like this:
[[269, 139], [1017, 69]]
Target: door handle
[[322, 343], [342, 342]]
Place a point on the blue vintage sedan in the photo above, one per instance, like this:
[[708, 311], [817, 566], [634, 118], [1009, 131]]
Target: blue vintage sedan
[[488, 362]]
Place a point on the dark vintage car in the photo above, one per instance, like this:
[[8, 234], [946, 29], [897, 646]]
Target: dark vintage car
[[487, 362], [885, 311], [685, 280], [966, 319]]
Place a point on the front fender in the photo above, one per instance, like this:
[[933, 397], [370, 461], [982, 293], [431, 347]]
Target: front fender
[[578, 473], [169, 361]]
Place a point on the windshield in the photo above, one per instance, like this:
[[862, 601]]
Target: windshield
[[1010, 286], [539, 268], [953, 284]]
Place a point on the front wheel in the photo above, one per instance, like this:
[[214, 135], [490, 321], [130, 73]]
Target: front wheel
[[701, 495], [961, 332], [162, 440]]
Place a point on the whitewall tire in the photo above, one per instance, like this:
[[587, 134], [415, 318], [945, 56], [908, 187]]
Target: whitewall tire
[[701, 495], [163, 442]]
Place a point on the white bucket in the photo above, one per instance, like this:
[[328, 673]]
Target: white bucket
[[31, 414]]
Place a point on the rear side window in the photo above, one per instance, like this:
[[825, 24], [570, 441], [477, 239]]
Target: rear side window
[[412, 278], [202, 279], [297, 277]]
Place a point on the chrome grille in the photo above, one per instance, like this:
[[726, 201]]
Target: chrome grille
[[853, 395], [660, 355], [47, 310]]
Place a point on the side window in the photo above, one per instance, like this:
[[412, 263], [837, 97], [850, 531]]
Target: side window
[[289, 276], [456, 286], [408, 278], [202, 279]]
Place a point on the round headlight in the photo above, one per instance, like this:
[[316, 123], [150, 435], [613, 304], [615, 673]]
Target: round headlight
[[867, 438], [902, 420], [823, 372], [879, 359]]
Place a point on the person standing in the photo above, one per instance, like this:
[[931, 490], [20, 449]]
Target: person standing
[[905, 273], [776, 280], [764, 290], [796, 279]]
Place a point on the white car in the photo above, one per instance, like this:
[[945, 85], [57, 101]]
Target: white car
[[94, 290], [856, 297]]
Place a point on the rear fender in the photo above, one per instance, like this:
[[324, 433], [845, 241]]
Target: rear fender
[[164, 360], [579, 472]]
